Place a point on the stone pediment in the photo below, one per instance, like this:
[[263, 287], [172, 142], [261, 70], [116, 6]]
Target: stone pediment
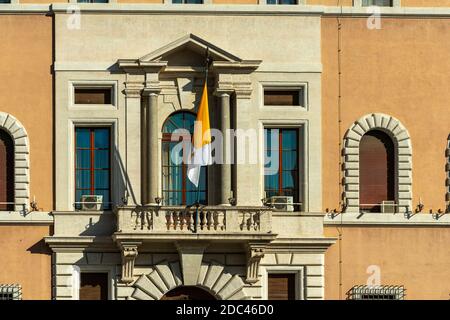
[[189, 50]]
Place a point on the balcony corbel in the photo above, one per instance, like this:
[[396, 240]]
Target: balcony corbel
[[129, 251], [255, 252]]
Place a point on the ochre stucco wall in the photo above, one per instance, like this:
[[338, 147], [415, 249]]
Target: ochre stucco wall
[[26, 92], [425, 3], [26, 260], [416, 257], [345, 3], [402, 70]]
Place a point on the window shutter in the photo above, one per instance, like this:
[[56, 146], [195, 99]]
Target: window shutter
[[376, 170], [281, 286], [6, 171], [94, 286]]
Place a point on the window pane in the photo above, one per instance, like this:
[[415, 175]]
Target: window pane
[[83, 179], [288, 179], [101, 139], [289, 160], [83, 159], [101, 159], [83, 137], [101, 179], [289, 139]]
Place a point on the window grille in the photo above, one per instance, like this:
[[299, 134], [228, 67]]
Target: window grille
[[387, 292], [10, 292]]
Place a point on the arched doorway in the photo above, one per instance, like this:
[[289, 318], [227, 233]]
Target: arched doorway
[[188, 293]]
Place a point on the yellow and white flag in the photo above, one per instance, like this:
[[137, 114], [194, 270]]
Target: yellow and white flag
[[201, 141]]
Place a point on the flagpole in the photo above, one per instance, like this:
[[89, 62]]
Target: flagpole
[[199, 174]]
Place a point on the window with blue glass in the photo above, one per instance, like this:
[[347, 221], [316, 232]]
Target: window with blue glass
[[380, 3], [281, 1], [93, 163], [188, 1], [177, 189], [282, 163]]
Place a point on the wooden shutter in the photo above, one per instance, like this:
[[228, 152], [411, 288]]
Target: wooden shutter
[[281, 97], [92, 95], [94, 286], [281, 286], [6, 171], [376, 170]]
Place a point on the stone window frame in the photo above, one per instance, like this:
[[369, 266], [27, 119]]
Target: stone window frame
[[21, 160], [403, 159], [300, 281]]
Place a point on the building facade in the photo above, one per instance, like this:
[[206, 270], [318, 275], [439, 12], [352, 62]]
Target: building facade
[[350, 106]]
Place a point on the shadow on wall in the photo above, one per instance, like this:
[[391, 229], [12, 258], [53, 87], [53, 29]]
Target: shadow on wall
[[123, 185], [40, 247]]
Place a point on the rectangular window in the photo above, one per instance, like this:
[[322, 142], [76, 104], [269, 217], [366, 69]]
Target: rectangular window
[[380, 3], [284, 97], [281, 286], [282, 164], [10, 292], [94, 286], [93, 95], [93, 1], [188, 1], [92, 164], [281, 1], [5, 1]]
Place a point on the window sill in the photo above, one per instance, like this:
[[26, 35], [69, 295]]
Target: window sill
[[391, 219], [35, 217]]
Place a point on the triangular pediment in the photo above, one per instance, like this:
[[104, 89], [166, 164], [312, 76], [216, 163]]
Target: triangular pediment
[[189, 50]]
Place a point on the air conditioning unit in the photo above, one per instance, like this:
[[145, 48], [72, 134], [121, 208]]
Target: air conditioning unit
[[388, 207], [282, 203], [91, 203]]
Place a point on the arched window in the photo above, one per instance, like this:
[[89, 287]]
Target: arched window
[[177, 189], [376, 170], [6, 171]]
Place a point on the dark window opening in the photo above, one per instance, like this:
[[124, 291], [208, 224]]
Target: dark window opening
[[93, 95], [281, 286], [283, 97], [93, 286], [6, 172], [380, 3], [376, 171]]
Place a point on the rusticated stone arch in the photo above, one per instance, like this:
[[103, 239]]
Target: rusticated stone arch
[[403, 159], [166, 276], [19, 135]]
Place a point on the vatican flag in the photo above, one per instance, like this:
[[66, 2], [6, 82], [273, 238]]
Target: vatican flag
[[201, 141]]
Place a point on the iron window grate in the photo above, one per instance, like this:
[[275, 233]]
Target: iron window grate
[[10, 292], [386, 292]]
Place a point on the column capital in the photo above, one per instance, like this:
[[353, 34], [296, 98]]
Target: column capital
[[150, 91], [133, 89]]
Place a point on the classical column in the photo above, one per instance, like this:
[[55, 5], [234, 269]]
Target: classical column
[[152, 154], [225, 168]]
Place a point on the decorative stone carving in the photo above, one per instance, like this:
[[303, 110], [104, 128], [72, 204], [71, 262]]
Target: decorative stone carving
[[254, 256], [129, 253]]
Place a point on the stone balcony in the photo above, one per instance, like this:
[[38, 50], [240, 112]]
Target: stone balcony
[[192, 229], [225, 223]]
